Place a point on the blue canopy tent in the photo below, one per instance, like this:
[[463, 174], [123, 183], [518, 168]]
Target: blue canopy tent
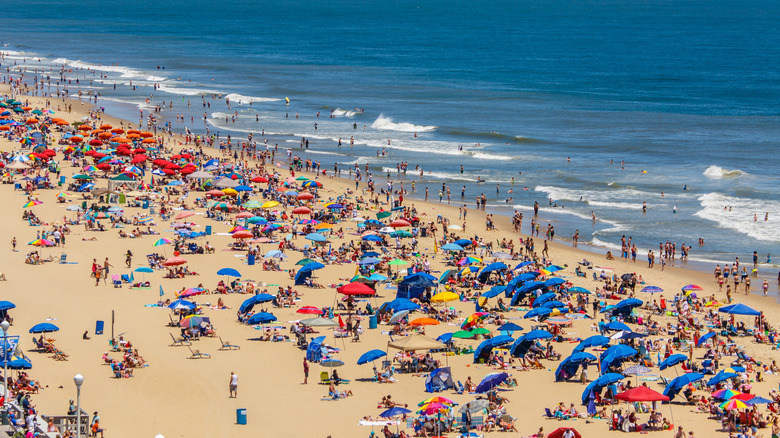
[[569, 366], [497, 266], [593, 341], [399, 304], [483, 349], [675, 386], [314, 350], [541, 299], [614, 355], [602, 382], [521, 346], [306, 272], [413, 286], [739, 309], [249, 303], [439, 379]]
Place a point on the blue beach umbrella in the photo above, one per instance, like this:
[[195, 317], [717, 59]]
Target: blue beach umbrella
[[452, 247], [316, 237], [593, 341], [491, 381], [721, 376], [181, 304], [261, 318], [672, 361], [394, 412], [230, 272], [370, 356], [44, 327]]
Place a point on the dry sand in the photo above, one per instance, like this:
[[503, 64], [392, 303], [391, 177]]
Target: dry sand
[[176, 396]]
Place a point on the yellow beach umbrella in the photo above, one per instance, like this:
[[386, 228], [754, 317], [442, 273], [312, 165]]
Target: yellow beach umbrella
[[230, 192], [269, 204], [443, 297]]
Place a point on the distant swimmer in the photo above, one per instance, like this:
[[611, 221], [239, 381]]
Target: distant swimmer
[[685, 187], [461, 168], [644, 207], [674, 209], [508, 200], [480, 179], [510, 191]]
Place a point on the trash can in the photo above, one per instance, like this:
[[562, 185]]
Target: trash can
[[240, 416], [250, 259], [372, 322], [208, 230], [145, 205], [62, 180]]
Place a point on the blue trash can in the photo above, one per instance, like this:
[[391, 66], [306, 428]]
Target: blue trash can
[[62, 179], [208, 230], [372, 322], [250, 259], [145, 205], [240, 416]]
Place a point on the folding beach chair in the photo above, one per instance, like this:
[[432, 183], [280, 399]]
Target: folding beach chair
[[198, 355], [180, 342], [99, 327], [63, 259], [116, 281], [227, 345]]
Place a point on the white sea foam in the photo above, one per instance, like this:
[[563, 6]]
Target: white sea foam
[[553, 210], [385, 123], [186, 91], [338, 112], [738, 214], [614, 195], [487, 156], [718, 172], [617, 205], [246, 100]]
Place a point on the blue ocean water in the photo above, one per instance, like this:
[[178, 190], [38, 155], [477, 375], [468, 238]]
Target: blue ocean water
[[686, 91]]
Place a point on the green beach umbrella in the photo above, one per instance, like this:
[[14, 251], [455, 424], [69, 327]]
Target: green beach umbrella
[[304, 262], [396, 262], [480, 331], [462, 334], [383, 214]]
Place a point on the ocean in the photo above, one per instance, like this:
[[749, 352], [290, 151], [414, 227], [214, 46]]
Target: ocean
[[553, 95]]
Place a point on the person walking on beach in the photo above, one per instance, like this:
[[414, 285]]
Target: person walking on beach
[[305, 371], [129, 258], [233, 386], [13, 244]]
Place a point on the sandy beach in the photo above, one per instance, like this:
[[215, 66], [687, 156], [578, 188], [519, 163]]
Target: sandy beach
[[177, 396]]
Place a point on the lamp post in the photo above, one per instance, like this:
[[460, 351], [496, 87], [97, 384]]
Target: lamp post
[[5, 325], [78, 379]]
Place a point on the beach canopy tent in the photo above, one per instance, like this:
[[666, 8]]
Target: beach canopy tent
[[416, 342], [675, 386], [497, 266], [414, 285], [439, 379], [398, 305], [614, 355], [569, 366], [521, 346], [739, 309], [314, 350], [593, 341], [484, 348], [602, 382], [641, 394], [249, 303], [306, 272]]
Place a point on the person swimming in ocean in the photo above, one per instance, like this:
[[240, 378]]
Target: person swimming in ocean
[[508, 200]]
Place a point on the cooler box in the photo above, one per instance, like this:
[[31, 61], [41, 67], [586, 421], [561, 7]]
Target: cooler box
[[240, 416]]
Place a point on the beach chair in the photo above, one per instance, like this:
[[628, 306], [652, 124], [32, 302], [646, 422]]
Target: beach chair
[[459, 388], [172, 322], [38, 346], [116, 281], [324, 378], [198, 355], [63, 259], [227, 345], [548, 414], [180, 342]]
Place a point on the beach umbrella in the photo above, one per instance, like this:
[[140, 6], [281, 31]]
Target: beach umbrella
[[437, 399], [44, 327], [32, 203], [41, 242], [634, 370], [370, 356], [269, 204], [309, 310], [491, 381], [162, 241], [355, 288], [18, 363], [735, 404], [706, 337], [400, 304], [539, 311], [394, 412], [174, 261], [672, 361], [261, 318], [509, 327], [181, 304], [578, 290], [423, 321], [674, 387], [474, 406], [725, 394], [652, 289], [721, 376], [433, 408], [398, 315], [331, 363], [593, 341], [760, 400], [192, 321], [555, 281], [617, 326], [230, 272], [452, 247], [692, 288], [558, 433], [316, 237], [443, 297], [494, 292]]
